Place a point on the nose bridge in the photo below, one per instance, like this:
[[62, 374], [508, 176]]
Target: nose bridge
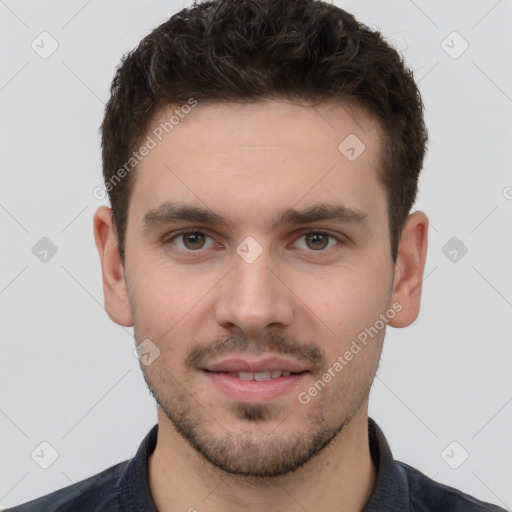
[[252, 297]]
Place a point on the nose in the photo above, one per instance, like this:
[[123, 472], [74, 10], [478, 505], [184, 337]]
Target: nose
[[254, 297]]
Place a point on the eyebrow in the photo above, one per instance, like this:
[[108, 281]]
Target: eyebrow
[[168, 213]]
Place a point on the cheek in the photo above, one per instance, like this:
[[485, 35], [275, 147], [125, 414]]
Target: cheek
[[346, 303], [163, 295]]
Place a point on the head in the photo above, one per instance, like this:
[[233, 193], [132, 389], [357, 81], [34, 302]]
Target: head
[[288, 139]]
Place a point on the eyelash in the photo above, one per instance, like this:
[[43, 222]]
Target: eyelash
[[199, 231]]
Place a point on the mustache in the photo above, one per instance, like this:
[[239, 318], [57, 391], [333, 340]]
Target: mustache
[[275, 343]]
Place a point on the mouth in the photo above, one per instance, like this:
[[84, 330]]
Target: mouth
[[262, 367], [260, 376], [255, 382]]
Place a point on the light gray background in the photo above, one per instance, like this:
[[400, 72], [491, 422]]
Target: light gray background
[[69, 376]]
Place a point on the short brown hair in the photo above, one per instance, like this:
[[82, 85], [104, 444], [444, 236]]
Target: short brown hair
[[250, 50]]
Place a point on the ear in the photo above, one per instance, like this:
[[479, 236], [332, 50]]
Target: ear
[[114, 285], [409, 267]]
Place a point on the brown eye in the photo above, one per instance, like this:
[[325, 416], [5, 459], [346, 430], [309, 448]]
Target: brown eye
[[317, 241], [190, 240], [193, 241], [320, 241]]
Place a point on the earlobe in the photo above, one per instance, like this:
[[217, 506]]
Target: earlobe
[[409, 268], [114, 284]]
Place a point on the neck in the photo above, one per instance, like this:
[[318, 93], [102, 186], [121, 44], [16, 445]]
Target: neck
[[340, 478]]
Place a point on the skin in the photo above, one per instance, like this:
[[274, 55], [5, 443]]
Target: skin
[[247, 163]]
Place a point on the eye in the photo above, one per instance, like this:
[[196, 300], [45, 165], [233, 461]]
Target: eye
[[191, 240], [318, 240]]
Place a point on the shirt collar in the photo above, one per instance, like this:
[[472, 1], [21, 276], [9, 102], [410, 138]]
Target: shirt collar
[[390, 493], [134, 482]]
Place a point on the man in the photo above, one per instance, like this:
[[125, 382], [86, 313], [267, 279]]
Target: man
[[261, 159]]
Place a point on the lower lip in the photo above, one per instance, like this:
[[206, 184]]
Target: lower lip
[[252, 391]]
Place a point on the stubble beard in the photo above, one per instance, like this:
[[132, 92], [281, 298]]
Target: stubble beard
[[249, 453]]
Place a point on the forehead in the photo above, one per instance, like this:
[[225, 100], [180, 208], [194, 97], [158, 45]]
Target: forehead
[[260, 155], [275, 124]]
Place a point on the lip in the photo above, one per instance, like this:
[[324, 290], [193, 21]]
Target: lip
[[267, 364], [254, 392]]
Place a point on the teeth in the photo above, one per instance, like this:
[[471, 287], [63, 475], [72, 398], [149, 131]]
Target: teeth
[[259, 376], [263, 376]]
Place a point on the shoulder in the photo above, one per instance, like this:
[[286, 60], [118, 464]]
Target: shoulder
[[426, 494], [95, 493]]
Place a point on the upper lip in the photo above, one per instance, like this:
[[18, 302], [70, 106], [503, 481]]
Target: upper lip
[[268, 364]]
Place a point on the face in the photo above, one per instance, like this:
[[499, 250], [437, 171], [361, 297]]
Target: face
[[283, 264]]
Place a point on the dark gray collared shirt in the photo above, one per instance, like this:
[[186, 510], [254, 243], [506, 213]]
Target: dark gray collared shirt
[[125, 487]]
